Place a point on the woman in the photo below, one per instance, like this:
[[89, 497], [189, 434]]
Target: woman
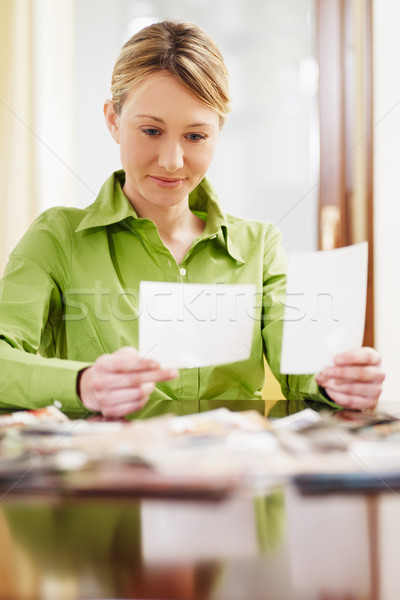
[[70, 290]]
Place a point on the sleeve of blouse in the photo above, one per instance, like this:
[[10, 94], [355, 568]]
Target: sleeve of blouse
[[294, 387], [30, 303]]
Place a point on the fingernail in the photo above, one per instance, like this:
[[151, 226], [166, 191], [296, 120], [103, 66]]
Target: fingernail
[[340, 360], [147, 387], [328, 371]]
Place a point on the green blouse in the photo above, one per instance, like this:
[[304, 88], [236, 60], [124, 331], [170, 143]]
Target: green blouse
[[70, 294]]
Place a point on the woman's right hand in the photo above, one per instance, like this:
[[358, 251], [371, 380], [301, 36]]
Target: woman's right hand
[[120, 383]]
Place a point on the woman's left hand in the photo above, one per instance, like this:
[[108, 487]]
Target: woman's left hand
[[355, 380]]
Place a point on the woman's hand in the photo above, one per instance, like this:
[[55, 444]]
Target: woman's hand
[[355, 380], [120, 383]]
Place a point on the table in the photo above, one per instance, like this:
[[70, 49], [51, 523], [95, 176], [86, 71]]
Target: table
[[272, 544]]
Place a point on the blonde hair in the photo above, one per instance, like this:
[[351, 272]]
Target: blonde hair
[[183, 50]]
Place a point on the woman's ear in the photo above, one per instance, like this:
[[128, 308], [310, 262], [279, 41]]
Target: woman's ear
[[111, 118]]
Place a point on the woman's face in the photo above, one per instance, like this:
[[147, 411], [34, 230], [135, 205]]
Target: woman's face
[[167, 140]]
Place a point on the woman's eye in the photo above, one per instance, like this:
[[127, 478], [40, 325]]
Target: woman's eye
[[151, 132], [195, 137]]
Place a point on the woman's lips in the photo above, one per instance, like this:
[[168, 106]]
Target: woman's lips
[[167, 182]]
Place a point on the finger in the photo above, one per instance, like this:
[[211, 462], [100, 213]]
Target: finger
[[351, 401], [110, 400], [365, 374], [111, 380], [123, 407], [361, 356], [126, 360], [354, 389], [112, 395], [126, 408]]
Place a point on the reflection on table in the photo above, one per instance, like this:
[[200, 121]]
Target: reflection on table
[[280, 546], [245, 544]]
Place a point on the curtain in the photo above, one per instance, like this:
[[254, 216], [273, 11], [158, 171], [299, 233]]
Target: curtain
[[344, 35], [36, 113], [18, 198]]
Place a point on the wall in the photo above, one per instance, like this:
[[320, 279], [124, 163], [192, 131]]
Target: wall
[[386, 23], [98, 41]]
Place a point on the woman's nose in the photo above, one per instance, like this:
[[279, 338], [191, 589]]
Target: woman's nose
[[170, 156]]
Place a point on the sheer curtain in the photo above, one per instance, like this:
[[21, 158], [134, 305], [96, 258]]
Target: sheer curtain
[[36, 87], [18, 198]]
